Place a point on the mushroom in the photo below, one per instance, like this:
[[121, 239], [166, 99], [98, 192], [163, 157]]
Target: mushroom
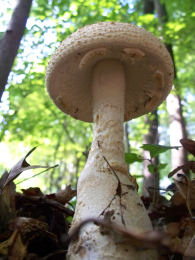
[[108, 73]]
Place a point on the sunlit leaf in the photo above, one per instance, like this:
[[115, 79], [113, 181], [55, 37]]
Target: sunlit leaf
[[133, 157], [155, 149]]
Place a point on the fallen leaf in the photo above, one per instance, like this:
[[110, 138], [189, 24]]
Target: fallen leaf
[[17, 250], [177, 199], [190, 251], [32, 191], [190, 165], [7, 205], [189, 145], [188, 234], [63, 196], [35, 235], [186, 188], [173, 229], [17, 169], [5, 245]]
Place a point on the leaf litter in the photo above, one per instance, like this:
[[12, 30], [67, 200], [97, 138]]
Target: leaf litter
[[36, 226]]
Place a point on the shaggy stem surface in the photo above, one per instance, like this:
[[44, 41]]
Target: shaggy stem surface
[[104, 186]]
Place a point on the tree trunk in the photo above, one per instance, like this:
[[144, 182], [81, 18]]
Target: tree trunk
[[10, 41], [148, 7], [151, 180], [177, 128]]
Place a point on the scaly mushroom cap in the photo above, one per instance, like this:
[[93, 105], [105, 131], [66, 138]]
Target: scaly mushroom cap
[[147, 63]]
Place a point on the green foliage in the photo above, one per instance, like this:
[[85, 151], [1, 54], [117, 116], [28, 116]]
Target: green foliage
[[152, 168], [155, 149], [133, 157]]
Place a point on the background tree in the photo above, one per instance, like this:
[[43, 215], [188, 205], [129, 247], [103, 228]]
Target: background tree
[[150, 180], [177, 127], [10, 41]]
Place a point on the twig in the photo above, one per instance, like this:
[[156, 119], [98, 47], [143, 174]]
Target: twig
[[35, 175], [118, 192], [151, 239], [49, 202]]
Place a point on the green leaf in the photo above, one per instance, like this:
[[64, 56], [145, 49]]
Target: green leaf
[[151, 168], [161, 166], [1, 34], [155, 149], [133, 157]]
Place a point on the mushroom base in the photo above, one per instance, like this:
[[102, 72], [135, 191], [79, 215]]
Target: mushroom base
[[98, 198]]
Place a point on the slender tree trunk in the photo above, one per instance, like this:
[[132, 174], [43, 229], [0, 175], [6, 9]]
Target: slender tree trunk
[[148, 6], [177, 128], [10, 41], [151, 180]]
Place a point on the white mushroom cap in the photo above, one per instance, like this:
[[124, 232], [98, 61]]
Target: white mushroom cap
[[147, 63]]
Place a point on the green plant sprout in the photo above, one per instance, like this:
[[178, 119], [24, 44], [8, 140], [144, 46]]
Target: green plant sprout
[[154, 150]]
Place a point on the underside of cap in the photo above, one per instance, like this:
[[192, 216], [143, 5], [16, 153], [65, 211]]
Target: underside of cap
[[147, 63]]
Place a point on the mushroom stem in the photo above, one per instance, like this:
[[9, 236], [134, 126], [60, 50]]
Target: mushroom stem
[[108, 91], [104, 186]]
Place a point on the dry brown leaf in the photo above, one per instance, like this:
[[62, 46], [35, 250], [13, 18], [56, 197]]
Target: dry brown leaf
[[17, 169], [192, 194], [189, 145], [3, 180], [177, 199], [18, 249], [190, 251], [189, 232], [13, 247], [32, 191], [34, 231], [176, 245], [189, 166], [7, 205], [186, 188], [173, 229], [63, 196], [5, 245], [181, 233]]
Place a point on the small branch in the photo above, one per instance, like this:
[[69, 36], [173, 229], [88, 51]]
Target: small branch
[[35, 175], [49, 202], [150, 239]]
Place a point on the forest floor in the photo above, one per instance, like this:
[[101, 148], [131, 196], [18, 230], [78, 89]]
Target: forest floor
[[35, 226]]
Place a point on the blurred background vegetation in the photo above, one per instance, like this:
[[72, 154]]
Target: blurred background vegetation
[[29, 118]]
